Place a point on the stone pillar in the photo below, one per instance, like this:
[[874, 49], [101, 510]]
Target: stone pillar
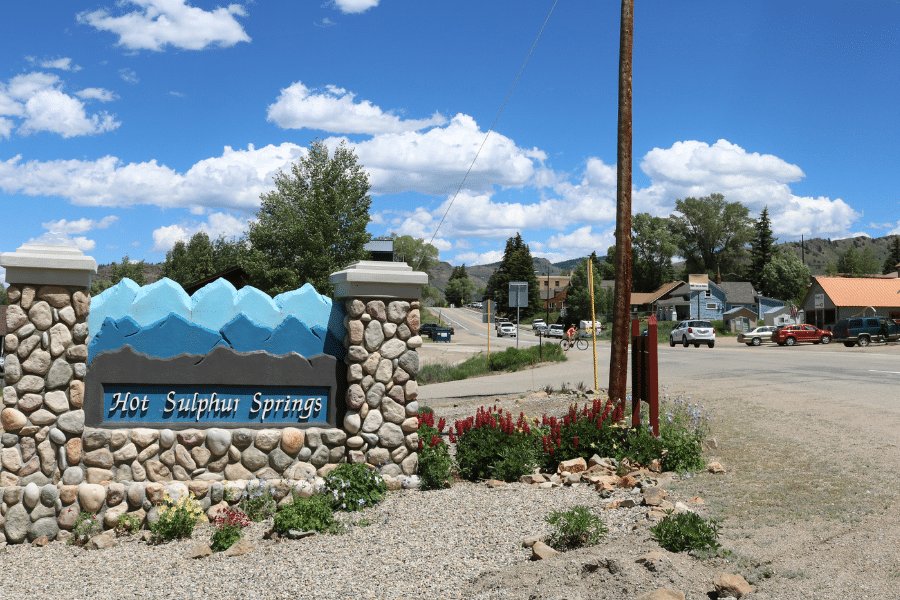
[[45, 365], [381, 300]]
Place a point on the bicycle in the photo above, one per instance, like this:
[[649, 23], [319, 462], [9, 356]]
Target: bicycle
[[579, 343]]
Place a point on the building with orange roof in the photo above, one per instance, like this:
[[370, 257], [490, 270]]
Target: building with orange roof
[[831, 298]]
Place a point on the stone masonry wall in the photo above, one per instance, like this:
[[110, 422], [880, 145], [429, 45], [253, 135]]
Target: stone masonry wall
[[382, 363], [53, 467]]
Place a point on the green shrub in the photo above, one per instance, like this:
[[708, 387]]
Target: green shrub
[[491, 445], [128, 524], [306, 514], [686, 531], [575, 528], [86, 525], [257, 502], [511, 359], [177, 519], [435, 464], [355, 486], [230, 523]]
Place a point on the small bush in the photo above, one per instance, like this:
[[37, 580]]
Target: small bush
[[257, 502], [575, 528], [86, 525], [511, 359], [177, 519], [355, 486], [491, 445], [435, 464], [686, 531], [128, 524], [230, 523], [306, 514]]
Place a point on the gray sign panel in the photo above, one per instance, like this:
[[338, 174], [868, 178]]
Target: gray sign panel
[[518, 294]]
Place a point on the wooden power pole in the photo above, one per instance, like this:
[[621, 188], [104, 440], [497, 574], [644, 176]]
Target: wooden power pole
[[618, 359]]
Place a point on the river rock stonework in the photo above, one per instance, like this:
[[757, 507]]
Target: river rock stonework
[[381, 399], [53, 466]]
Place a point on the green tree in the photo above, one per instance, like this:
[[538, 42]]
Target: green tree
[[578, 294], [415, 252], [653, 247], [132, 269], [761, 250], [200, 257], [312, 224], [459, 289], [893, 259], [516, 265], [711, 233], [4, 299], [855, 264], [785, 276]]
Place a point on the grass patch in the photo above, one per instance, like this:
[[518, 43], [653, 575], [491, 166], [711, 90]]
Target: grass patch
[[511, 359]]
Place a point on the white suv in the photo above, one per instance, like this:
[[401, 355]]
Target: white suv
[[693, 332], [507, 329]]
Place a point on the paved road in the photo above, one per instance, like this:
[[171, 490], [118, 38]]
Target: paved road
[[833, 374]]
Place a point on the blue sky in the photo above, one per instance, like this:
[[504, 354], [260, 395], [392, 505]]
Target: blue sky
[[126, 125]]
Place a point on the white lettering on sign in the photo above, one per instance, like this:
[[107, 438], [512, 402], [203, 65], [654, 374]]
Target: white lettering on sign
[[197, 406]]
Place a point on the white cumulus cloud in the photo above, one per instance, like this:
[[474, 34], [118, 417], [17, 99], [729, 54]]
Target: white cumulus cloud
[[217, 224], [82, 225], [63, 64], [97, 94], [63, 239], [355, 6], [332, 109], [160, 23], [38, 103]]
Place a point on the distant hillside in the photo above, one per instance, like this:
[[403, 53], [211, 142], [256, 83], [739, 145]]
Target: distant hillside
[[439, 275], [818, 253], [152, 272]]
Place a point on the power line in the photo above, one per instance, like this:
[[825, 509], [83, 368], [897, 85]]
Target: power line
[[488, 133]]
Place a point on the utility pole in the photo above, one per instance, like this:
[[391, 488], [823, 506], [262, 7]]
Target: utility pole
[[618, 358]]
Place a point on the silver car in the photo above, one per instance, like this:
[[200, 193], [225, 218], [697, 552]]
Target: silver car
[[757, 336], [693, 332]]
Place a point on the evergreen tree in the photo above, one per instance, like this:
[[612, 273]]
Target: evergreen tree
[[761, 250], [893, 259], [459, 288], [200, 257], [133, 270], [516, 265]]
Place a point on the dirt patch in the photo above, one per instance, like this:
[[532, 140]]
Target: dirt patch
[[808, 508]]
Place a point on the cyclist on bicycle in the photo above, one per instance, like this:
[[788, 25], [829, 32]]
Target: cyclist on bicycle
[[570, 333]]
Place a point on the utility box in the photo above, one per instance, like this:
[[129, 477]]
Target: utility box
[[441, 334]]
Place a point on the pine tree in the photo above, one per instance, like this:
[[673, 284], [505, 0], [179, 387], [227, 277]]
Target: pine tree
[[761, 250], [516, 265], [893, 259]]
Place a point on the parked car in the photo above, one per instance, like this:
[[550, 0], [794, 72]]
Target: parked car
[[794, 334], [693, 332], [865, 330], [555, 330], [757, 336], [584, 328], [539, 325], [507, 329]]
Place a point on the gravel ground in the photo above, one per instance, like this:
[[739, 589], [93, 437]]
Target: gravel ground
[[466, 541]]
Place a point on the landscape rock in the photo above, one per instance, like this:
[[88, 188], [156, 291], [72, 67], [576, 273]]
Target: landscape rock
[[541, 551], [730, 584]]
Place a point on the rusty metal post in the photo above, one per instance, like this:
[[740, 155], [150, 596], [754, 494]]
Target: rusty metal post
[[618, 359], [653, 375], [638, 372]]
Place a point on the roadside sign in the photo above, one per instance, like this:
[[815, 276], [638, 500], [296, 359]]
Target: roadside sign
[[820, 301], [518, 294], [698, 282]]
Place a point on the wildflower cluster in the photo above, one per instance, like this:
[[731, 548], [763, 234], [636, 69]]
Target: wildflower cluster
[[435, 463], [86, 525], [355, 486], [581, 432], [229, 523], [493, 444], [257, 501], [177, 519]]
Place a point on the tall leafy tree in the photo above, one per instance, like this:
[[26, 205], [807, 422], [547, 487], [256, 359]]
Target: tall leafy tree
[[415, 252], [855, 264], [711, 233], [653, 247], [516, 265], [312, 224], [761, 249], [893, 259], [578, 294], [201, 257], [785, 276]]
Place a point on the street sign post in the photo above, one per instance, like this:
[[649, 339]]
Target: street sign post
[[518, 298]]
